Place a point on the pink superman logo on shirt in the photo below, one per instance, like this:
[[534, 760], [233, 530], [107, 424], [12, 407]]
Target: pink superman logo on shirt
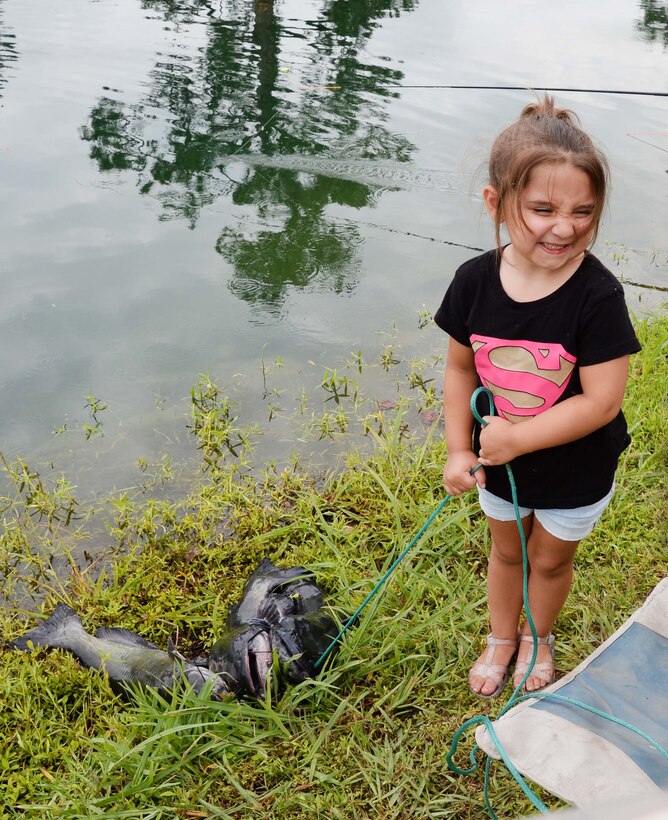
[[526, 378]]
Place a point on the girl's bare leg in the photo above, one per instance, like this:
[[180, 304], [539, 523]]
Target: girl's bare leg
[[550, 579], [504, 591]]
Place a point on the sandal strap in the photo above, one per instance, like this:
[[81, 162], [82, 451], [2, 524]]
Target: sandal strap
[[487, 669], [543, 671], [496, 671], [492, 641], [548, 639]]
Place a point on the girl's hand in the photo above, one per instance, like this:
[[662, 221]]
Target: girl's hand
[[457, 476], [498, 441]]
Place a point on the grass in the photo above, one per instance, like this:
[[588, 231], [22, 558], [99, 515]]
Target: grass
[[368, 738]]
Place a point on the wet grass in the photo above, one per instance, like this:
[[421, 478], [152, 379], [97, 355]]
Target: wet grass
[[368, 738]]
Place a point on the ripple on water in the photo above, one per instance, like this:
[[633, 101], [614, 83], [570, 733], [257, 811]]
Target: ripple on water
[[376, 173]]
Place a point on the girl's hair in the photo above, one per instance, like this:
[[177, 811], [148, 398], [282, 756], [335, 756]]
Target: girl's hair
[[543, 133]]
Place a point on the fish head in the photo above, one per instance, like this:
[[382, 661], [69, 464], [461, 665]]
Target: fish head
[[277, 606], [299, 597], [305, 595], [244, 658], [289, 650]]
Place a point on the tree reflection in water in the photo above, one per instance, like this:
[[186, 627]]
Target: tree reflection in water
[[8, 52], [653, 26], [193, 137]]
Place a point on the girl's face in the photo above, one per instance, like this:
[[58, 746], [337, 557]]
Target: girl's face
[[556, 225]]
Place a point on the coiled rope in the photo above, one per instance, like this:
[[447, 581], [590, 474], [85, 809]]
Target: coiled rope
[[515, 696]]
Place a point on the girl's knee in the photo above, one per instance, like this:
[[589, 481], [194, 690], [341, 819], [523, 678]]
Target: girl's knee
[[548, 565], [550, 556], [509, 555], [506, 543]]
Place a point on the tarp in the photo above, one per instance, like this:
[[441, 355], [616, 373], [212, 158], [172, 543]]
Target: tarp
[[585, 759], [638, 808]]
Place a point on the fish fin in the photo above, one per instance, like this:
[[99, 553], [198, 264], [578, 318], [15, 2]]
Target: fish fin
[[290, 575], [116, 634], [174, 653], [265, 566], [283, 575], [50, 632]]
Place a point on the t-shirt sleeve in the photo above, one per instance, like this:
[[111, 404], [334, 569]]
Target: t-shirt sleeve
[[607, 332], [452, 313]]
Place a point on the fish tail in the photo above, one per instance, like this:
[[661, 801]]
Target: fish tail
[[56, 631]]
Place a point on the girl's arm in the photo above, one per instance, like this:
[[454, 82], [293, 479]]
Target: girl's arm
[[460, 382], [603, 387]]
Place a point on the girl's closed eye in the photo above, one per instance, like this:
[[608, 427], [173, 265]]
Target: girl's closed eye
[[585, 213]]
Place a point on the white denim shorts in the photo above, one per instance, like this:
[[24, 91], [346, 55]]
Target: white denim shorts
[[568, 525]]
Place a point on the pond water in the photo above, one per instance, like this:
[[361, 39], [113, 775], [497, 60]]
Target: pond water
[[260, 190]]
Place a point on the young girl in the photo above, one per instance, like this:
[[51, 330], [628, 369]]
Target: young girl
[[544, 326]]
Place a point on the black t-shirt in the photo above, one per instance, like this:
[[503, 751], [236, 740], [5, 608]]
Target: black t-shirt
[[529, 355]]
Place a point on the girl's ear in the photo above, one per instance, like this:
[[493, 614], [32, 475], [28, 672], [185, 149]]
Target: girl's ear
[[491, 199]]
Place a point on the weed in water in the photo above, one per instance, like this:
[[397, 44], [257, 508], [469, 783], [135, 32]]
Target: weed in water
[[213, 424], [95, 405], [338, 386], [388, 358]]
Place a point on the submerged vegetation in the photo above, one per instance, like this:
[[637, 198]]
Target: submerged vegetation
[[368, 737]]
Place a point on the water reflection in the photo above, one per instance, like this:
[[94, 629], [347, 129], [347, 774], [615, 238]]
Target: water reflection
[[246, 93], [8, 52], [653, 26]]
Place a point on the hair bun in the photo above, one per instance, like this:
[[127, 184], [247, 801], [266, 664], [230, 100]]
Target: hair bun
[[546, 108]]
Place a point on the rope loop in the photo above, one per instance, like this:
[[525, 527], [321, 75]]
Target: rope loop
[[487, 393]]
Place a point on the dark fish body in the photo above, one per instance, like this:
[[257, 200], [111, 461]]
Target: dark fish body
[[300, 642], [272, 592], [279, 618], [127, 659]]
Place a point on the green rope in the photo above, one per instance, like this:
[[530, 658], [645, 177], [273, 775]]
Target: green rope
[[537, 802], [352, 620]]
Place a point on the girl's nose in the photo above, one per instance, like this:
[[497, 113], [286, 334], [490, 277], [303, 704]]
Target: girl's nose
[[563, 226]]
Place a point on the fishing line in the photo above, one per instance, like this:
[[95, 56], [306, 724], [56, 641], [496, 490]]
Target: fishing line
[[410, 233], [647, 142], [659, 288], [260, 127], [539, 88]]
